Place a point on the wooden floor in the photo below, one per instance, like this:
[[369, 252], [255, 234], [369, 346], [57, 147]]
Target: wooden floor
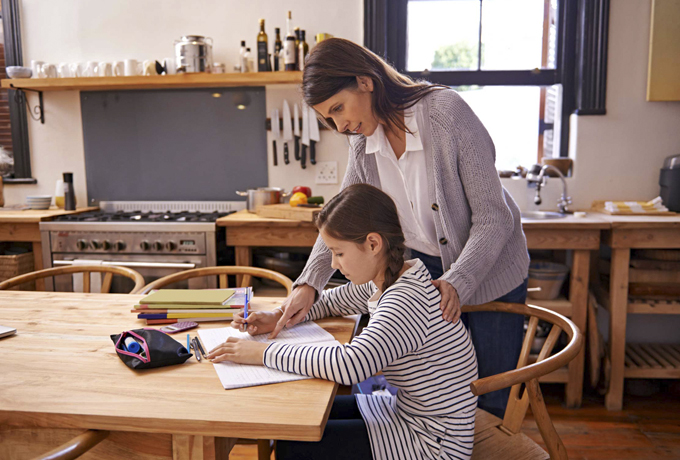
[[648, 428]]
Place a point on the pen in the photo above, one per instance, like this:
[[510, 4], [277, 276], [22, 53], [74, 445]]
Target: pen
[[245, 310], [188, 344], [200, 347], [198, 353]]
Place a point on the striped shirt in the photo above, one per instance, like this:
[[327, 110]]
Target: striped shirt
[[429, 360]]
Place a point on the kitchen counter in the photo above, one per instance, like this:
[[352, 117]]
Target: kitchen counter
[[23, 226], [246, 230]]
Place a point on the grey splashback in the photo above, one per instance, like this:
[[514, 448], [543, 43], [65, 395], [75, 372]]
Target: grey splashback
[[180, 144]]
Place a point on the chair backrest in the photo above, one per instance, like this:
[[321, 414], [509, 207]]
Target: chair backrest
[[86, 270], [222, 272], [528, 374]]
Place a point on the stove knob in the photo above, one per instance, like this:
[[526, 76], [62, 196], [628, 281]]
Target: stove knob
[[158, 246], [96, 244], [106, 245], [144, 245], [120, 245], [171, 245], [81, 244]]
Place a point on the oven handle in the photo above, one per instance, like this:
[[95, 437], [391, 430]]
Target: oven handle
[[135, 264]]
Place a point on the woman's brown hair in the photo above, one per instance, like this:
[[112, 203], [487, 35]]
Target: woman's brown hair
[[361, 209], [334, 64]]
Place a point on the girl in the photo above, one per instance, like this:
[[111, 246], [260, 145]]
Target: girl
[[423, 146], [431, 361]]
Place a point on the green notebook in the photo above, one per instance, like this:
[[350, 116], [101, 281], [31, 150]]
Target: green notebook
[[189, 296]]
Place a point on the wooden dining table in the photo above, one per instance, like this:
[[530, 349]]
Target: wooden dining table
[[60, 376]]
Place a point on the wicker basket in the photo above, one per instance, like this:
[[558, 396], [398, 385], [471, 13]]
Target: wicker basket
[[11, 266]]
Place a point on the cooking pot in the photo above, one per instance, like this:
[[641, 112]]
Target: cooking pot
[[261, 196]]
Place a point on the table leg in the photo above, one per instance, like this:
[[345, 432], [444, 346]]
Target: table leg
[[244, 258], [618, 310], [188, 447], [38, 264], [579, 299]]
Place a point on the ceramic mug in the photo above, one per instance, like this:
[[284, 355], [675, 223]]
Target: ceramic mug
[[77, 69], [105, 69], [118, 68], [90, 69], [36, 67], [49, 71], [64, 70], [149, 67], [131, 67], [169, 65]]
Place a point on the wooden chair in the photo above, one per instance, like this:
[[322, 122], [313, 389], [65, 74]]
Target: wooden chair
[[76, 446], [222, 272], [502, 439], [108, 270], [264, 446]]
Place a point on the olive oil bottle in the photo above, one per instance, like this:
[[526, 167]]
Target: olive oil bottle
[[262, 49]]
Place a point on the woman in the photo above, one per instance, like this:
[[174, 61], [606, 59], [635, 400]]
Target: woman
[[422, 145], [429, 360]]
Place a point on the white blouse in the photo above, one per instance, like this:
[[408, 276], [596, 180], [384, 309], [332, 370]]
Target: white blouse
[[405, 181]]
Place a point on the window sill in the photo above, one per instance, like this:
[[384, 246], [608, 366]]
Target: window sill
[[14, 180]]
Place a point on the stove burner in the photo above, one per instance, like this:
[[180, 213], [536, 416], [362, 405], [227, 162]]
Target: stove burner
[[144, 216]]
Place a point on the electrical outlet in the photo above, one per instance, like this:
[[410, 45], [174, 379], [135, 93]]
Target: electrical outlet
[[327, 172]]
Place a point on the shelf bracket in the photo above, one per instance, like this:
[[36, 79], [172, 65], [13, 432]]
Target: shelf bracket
[[37, 112]]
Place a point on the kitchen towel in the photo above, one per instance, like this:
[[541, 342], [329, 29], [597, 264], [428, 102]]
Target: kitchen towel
[[635, 207], [95, 277]]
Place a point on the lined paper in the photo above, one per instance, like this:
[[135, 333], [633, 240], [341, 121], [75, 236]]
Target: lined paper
[[234, 375]]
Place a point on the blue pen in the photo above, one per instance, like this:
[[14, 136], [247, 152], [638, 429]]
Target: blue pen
[[188, 344], [245, 309]]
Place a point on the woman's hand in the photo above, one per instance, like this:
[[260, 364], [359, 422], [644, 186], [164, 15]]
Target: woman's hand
[[258, 322], [450, 305], [239, 351], [295, 308]]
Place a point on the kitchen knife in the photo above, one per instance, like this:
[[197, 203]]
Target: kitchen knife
[[305, 137], [287, 131], [313, 134], [276, 131], [296, 131]]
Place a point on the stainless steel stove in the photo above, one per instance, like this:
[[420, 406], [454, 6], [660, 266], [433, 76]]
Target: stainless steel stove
[[154, 238]]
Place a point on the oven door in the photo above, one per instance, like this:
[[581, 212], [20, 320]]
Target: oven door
[[151, 268]]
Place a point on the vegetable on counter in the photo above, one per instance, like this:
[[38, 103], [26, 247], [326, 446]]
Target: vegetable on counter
[[301, 188], [298, 198], [315, 200]]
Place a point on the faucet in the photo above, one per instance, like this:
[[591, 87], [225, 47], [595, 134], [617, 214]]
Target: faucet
[[541, 179]]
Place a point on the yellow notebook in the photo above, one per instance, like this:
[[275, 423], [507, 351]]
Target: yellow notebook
[[189, 297]]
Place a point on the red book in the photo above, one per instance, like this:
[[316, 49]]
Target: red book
[[160, 321]]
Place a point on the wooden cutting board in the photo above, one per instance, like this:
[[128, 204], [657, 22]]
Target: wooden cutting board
[[598, 206], [286, 211]]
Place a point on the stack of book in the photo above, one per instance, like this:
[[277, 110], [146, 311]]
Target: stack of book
[[169, 306]]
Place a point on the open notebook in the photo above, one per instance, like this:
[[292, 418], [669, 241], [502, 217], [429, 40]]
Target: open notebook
[[234, 375]]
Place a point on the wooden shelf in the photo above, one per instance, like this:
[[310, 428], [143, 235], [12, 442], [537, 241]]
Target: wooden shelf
[[560, 305], [652, 361], [641, 305], [189, 80]]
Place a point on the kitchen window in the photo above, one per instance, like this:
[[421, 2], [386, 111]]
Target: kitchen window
[[522, 65], [13, 107]]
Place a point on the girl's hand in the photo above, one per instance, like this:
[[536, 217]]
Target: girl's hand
[[239, 351], [450, 305], [295, 307], [258, 322]]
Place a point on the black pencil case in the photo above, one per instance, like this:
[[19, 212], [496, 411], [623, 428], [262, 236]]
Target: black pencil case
[[158, 349]]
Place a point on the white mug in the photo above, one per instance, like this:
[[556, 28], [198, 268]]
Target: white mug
[[77, 69], [64, 70], [90, 69], [118, 68], [105, 69], [219, 68], [170, 67], [149, 67], [131, 67], [49, 71], [36, 67]]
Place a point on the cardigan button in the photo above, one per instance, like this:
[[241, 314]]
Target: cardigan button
[[435, 207], [443, 241]]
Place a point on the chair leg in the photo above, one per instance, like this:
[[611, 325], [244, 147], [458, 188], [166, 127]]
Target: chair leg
[[264, 449], [545, 426]]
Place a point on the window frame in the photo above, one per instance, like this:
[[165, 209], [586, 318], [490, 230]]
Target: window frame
[[16, 99], [581, 61]]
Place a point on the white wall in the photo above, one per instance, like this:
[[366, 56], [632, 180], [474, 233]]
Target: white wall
[[80, 30]]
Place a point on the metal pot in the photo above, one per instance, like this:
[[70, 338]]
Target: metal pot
[[260, 196], [193, 53]]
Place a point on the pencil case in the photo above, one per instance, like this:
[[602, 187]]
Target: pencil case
[[152, 349]]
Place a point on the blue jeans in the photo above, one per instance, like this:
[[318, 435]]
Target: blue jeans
[[496, 336]]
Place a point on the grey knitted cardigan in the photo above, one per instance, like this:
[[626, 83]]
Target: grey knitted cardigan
[[477, 221]]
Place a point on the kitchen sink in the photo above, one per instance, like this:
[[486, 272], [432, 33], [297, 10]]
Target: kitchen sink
[[542, 215]]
